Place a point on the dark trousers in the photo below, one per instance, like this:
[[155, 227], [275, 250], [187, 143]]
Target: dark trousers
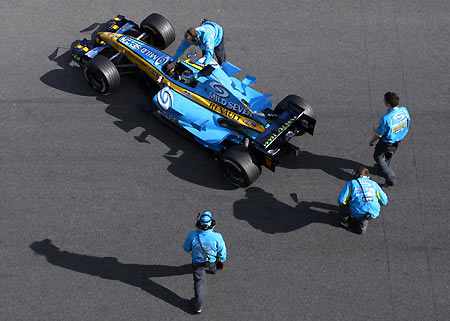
[[199, 274], [383, 155], [219, 51], [349, 221]]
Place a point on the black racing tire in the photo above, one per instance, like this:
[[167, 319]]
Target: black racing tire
[[160, 30], [102, 75], [238, 166], [299, 101]]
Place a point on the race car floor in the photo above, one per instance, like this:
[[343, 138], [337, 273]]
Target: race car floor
[[98, 197]]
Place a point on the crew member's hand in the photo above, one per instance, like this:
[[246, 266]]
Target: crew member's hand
[[220, 265]]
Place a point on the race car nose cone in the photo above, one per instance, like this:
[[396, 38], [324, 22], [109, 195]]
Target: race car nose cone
[[107, 36]]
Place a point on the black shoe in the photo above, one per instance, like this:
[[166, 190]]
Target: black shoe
[[344, 224], [194, 309]]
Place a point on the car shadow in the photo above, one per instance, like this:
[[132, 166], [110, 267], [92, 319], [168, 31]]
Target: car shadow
[[267, 214], [340, 168], [188, 161], [111, 269]]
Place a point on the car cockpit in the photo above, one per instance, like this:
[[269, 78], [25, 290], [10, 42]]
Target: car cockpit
[[180, 72]]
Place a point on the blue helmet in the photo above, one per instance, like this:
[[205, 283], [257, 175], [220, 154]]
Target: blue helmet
[[205, 220]]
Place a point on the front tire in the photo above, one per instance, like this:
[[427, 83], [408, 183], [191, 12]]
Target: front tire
[[159, 29], [238, 166], [102, 75]]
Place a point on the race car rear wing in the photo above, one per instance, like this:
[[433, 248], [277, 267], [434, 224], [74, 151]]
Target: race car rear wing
[[291, 122]]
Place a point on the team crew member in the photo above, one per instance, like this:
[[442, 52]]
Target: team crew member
[[393, 127], [209, 37], [208, 255], [363, 196]]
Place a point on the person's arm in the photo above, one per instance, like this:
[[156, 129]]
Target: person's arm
[[181, 49], [209, 48], [375, 137], [379, 132], [345, 194], [382, 197], [221, 250], [187, 246]]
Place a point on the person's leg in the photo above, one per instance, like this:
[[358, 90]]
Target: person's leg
[[219, 51], [361, 225], [199, 287], [379, 155], [345, 216]]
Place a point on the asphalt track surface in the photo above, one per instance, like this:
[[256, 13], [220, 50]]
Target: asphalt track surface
[[98, 197]]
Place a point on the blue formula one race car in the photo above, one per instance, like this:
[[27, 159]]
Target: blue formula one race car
[[207, 103]]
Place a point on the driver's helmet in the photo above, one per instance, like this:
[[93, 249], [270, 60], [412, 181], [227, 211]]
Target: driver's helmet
[[188, 77]]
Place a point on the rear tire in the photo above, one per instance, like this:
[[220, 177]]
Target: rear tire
[[238, 166], [102, 75], [296, 100], [160, 30]]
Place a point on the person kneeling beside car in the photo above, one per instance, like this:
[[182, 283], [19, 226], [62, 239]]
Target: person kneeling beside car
[[363, 197]]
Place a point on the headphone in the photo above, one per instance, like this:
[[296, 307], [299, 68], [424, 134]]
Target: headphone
[[194, 38], [199, 225]]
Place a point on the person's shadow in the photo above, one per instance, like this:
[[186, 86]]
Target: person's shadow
[[340, 168], [264, 212], [188, 161], [110, 268]]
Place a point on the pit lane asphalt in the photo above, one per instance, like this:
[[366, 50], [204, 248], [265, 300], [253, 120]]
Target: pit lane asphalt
[[98, 197]]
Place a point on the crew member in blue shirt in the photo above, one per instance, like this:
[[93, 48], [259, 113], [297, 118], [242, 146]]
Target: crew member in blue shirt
[[209, 37], [208, 255], [363, 196], [393, 127]]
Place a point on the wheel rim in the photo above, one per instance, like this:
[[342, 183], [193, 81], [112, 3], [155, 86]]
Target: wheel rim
[[97, 82], [233, 172]]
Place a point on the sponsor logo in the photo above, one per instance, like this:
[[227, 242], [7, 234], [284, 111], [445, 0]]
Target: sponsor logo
[[279, 131], [130, 43], [186, 93], [240, 109], [249, 122], [230, 105], [161, 60], [219, 89], [165, 98], [218, 99], [399, 116], [224, 111]]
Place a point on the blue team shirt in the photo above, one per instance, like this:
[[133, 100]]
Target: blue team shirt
[[210, 35], [353, 196], [212, 242], [394, 125]]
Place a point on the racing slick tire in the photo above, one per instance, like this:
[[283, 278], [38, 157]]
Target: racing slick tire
[[238, 166], [160, 30], [102, 75], [297, 100]]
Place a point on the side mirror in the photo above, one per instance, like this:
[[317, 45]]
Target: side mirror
[[206, 71]]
